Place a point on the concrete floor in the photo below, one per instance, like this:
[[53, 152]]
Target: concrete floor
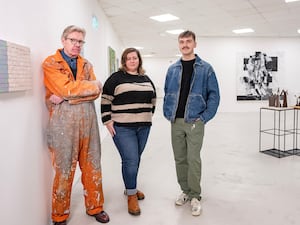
[[241, 186]]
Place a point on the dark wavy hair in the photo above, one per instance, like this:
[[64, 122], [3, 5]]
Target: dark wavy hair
[[140, 69]]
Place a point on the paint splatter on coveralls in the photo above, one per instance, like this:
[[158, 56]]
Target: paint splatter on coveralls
[[73, 134]]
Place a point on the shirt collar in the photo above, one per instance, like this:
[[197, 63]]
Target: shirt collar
[[67, 58]]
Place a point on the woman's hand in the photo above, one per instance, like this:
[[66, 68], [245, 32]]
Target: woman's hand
[[110, 128]]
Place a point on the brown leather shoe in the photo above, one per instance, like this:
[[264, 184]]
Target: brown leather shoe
[[60, 223], [102, 217], [133, 205]]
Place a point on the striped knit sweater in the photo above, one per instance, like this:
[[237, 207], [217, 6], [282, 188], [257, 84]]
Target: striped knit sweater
[[128, 100]]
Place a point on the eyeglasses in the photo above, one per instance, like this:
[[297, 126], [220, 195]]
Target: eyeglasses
[[75, 41]]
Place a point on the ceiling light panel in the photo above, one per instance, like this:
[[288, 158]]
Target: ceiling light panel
[[138, 47], [177, 31], [164, 17], [243, 31], [287, 1]]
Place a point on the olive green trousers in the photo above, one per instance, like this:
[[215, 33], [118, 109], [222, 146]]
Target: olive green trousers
[[187, 139]]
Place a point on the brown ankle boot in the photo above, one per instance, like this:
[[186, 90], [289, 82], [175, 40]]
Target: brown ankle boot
[[140, 195], [133, 205]]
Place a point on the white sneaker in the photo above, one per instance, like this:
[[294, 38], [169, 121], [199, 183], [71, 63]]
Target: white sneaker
[[196, 207], [182, 199]]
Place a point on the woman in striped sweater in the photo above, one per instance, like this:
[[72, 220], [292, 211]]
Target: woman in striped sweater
[[127, 105]]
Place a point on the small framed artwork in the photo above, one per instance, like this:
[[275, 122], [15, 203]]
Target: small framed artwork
[[111, 60]]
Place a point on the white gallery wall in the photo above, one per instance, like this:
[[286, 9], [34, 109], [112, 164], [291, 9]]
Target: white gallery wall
[[222, 54], [25, 168]]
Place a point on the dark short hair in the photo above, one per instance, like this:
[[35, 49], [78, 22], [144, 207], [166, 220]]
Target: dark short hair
[[187, 33], [140, 69]]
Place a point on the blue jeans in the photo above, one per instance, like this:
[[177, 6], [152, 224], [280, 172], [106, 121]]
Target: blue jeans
[[130, 142]]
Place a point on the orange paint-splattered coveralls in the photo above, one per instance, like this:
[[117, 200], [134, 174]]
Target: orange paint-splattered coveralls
[[73, 134]]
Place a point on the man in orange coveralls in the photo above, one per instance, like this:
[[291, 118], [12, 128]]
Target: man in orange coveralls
[[72, 133]]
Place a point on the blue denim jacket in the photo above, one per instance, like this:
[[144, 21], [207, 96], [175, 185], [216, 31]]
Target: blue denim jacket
[[203, 99]]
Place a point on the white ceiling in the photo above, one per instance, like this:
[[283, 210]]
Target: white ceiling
[[207, 18]]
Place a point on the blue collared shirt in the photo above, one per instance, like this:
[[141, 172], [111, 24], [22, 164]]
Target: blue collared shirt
[[72, 62]]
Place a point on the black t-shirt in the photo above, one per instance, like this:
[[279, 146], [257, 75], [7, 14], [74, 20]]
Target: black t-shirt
[[187, 72]]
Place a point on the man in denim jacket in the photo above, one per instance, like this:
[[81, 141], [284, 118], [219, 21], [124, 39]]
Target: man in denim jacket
[[191, 100]]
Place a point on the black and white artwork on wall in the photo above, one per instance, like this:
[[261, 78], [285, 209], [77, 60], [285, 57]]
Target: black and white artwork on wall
[[257, 75]]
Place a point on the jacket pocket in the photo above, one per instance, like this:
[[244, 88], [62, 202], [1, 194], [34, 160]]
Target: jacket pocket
[[169, 105], [196, 105]]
